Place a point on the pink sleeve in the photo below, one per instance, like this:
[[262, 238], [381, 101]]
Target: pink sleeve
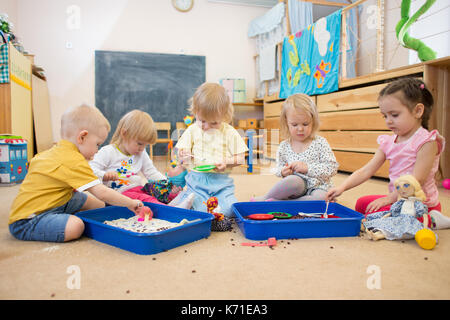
[[384, 142], [430, 136]]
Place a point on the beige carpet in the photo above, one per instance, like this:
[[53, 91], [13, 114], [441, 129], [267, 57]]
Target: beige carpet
[[220, 268]]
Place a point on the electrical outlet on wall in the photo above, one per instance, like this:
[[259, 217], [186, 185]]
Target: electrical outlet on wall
[[69, 45]]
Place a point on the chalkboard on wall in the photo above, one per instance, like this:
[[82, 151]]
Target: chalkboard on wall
[[160, 84]]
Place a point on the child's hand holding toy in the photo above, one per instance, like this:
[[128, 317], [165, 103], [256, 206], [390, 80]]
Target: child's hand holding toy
[[135, 206], [145, 214], [286, 171], [184, 156], [220, 167], [111, 176], [299, 166]]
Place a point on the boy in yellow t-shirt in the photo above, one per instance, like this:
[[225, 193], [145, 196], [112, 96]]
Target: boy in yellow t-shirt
[[53, 188]]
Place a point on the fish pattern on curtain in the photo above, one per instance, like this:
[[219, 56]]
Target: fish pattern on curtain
[[310, 59]]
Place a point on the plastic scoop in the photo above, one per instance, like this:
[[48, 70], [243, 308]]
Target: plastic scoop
[[325, 215]]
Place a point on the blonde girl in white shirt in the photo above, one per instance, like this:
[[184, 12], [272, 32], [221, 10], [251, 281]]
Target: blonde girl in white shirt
[[118, 164], [305, 160]]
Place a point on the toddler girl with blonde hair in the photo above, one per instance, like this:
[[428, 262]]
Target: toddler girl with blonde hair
[[118, 164], [305, 160]]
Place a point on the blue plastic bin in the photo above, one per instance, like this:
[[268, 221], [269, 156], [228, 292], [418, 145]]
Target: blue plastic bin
[[146, 243], [347, 225]]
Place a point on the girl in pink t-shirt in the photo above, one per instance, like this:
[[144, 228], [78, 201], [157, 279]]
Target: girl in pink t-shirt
[[406, 105]]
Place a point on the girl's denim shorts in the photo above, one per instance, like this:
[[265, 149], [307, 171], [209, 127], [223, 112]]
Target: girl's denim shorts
[[49, 225]]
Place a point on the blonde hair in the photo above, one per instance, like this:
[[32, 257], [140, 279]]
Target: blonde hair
[[299, 102], [212, 103], [418, 192], [135, 125], [83, 117]]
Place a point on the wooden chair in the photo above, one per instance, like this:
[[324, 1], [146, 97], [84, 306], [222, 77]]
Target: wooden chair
[[162, 126], [181, 127]]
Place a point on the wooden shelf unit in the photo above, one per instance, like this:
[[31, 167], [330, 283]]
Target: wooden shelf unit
[[255, 109]]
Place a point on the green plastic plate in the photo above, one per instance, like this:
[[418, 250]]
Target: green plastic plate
[[280, 215], [206, 167]]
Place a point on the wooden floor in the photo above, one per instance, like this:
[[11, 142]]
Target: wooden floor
[[220, 268]]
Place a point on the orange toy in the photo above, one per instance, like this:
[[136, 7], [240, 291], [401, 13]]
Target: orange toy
[[212, 204]]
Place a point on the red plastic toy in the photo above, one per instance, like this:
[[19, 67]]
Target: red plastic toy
[[260, 216]]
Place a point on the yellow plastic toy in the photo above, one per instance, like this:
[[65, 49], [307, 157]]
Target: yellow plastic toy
[[426, 239]]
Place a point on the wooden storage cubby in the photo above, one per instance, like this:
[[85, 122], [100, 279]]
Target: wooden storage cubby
[[351, 122], [272, 135]]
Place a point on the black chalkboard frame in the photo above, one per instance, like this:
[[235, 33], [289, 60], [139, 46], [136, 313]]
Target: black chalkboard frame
[[158, 83]]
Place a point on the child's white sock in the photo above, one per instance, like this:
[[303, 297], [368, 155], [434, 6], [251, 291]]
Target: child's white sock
[[442, 222], [186, 203], [176, 200]]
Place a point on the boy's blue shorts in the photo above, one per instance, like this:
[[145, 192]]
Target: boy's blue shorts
[[208, 184], [50, 225]]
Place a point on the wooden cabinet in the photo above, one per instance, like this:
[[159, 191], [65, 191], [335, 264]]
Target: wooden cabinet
[[15, 100], [272, 134], [351, 122]]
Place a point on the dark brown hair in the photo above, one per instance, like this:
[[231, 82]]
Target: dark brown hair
[[413, 91]]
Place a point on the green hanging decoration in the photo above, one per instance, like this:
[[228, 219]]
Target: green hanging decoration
[[4, 24], [424, 52]]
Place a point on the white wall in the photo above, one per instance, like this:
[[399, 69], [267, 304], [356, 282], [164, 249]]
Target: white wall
[[9, 7], [394, 55], [433, 28], [217, 31]]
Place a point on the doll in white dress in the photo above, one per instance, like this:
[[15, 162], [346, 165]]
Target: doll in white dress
[[406, 216]]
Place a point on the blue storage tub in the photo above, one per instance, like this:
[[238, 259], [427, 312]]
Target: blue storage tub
[[347, 225], [146, 243]]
